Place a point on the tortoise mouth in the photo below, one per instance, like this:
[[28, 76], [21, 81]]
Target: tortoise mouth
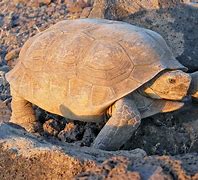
[[174, 96]]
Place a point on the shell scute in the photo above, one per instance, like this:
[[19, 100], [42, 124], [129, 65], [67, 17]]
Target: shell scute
[[105, 61], [77, 46], [101, 94], [80, 91], [141, 76], [126, 84], [35, 55]]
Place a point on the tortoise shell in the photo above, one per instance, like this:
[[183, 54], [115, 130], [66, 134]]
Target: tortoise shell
[[78, 68]]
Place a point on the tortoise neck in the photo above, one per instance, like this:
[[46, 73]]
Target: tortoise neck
[[148, 92], [193, 89]]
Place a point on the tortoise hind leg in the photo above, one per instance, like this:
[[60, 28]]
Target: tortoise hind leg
[[120, 127], [22, 112]]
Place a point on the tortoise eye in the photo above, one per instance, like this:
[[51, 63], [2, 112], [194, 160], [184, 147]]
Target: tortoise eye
[[171, 80]]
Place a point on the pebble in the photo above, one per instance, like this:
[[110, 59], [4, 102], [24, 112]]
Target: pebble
[[14, 20], [12, 54], [85, 12], [4, 69], [32, 3], [72, 132], [5, 112], [52, 127], [1, 20]]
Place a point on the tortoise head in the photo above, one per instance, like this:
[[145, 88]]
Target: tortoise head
[[171, 85]]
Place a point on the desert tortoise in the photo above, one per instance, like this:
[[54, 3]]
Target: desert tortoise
[[87, 68]]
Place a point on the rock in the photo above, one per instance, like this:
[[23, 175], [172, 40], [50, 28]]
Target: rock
[[1, 20], [193, 3], [12, 54], [147, 169], [174, 20], [85, 12], [90, 133], [192, 129], [114, 168], [5, 112], [14, 21], [52, 127], [4, 69], [189, 117], [75, 6], [44, 1], [152, 167], [2, 50], [159, 174], [79, 133], [4, 86], [177, 132], [23, 155], [72, 132], [80, 3], [116, 9], [119, 9], [18, 149], [33, 3]]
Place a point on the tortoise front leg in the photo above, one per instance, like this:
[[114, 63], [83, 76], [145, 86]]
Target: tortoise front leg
[[120, 127], [22, 112]]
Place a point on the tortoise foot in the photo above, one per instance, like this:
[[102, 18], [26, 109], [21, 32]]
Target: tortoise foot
[[31, 127]]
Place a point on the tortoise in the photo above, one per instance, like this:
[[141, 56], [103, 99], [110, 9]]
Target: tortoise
[[86, 69]]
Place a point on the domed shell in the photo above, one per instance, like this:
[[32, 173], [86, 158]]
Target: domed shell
[[77, 68]]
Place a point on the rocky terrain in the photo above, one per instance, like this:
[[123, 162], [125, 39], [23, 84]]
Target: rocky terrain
[[62, 149]]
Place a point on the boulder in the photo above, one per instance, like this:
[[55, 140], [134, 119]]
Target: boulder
[[27, 156]]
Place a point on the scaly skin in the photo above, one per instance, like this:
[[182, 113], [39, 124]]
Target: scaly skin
[[120, 127], [23, 113], [193, 90]]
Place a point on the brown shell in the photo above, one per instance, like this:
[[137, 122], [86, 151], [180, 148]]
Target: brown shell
[[77, 68]]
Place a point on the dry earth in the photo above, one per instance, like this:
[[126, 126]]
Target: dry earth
[[58, 152]]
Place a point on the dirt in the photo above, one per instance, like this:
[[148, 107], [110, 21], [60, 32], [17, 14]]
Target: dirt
[[22, 155], [173, 134]]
